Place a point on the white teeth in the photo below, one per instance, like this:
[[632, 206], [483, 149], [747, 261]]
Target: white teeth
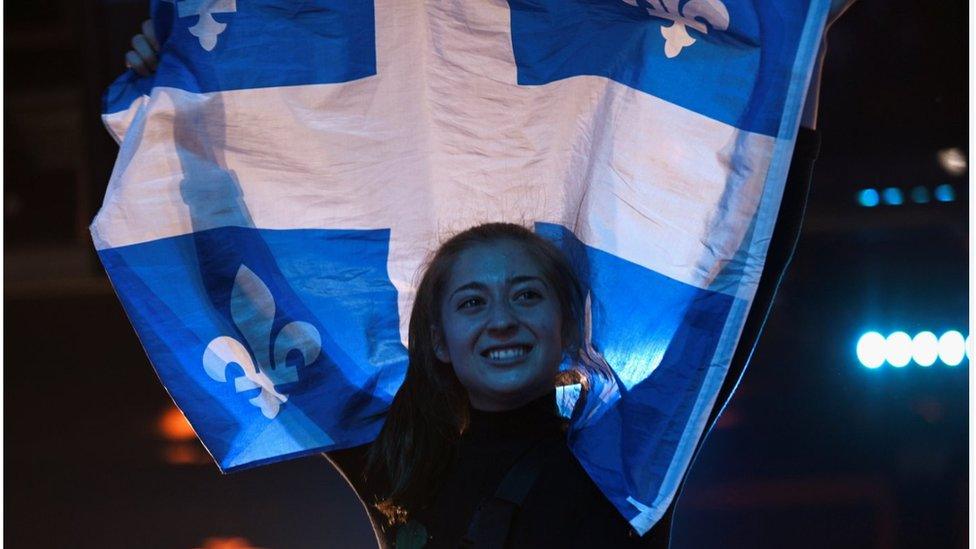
[[506, 354]]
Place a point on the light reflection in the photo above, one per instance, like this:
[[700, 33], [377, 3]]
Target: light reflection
[[945, 193], [184, 453], [925, 348], [233, 542], [172, 425], [952, 348], [899, 349], [871, 350], [868, 198], [181, 446], [892, 196], [920, 195], [953, 160]]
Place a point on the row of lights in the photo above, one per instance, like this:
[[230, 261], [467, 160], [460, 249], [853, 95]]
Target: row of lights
[[893, 196], [899, 348]]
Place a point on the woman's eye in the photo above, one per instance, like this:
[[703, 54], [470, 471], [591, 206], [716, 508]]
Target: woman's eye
[[470, 302], [527, 295]]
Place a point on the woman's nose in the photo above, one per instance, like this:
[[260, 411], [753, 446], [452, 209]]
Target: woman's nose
[[501, 318]]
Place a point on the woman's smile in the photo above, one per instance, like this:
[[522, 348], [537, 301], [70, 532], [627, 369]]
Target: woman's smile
[[507, 355]]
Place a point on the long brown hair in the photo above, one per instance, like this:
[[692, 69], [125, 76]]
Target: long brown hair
[[418, 442]]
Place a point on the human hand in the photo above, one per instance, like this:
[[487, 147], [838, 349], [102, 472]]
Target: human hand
[[143, 58]]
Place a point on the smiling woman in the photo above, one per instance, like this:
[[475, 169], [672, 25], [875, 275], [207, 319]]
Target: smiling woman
[[500, 327], [473, 451]]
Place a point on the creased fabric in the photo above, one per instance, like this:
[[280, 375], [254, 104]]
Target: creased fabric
[[285, 172]]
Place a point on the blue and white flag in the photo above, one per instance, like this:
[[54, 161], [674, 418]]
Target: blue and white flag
[[290, 165]]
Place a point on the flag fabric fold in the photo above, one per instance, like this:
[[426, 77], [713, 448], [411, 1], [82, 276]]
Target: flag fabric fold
[[284, 173]]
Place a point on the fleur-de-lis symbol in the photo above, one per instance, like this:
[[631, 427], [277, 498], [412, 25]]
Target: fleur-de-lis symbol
[[253, 309], [207, 28], [697, 14]]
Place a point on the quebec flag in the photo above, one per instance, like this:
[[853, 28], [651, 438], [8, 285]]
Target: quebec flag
[[284, 174]]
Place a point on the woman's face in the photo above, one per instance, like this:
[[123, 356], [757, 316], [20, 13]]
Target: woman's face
[[501, 326]]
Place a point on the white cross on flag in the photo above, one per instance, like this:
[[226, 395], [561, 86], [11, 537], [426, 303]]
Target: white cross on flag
[[284, 173]]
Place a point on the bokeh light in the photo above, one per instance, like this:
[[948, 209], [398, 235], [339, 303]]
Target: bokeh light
[[893, 196], [871, 350], [945, 193], [868, 198], [172, 425], [952, 348], [232, 542], [925, 348], [898, 349], [920, 195], [953, 160]]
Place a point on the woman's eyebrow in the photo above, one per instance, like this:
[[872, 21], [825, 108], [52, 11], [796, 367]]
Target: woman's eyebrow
[[468, 286], [511, 280], [526, 278]]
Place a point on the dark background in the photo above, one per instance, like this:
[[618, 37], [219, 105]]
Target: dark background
[[814, 451]]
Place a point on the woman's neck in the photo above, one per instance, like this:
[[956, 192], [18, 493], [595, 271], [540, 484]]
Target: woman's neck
[[536, 416]]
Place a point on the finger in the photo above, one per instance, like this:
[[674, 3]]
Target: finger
[[134, 62], [149, 31], [142, 47]]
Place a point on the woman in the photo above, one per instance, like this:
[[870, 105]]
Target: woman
[[495, 313]]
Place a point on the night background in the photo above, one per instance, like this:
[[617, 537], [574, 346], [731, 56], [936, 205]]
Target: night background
[[815, 450]]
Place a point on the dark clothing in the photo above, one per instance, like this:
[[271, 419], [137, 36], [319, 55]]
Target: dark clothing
[[565, 508]]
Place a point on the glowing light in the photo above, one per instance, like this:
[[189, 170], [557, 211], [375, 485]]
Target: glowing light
[[892, 196], [925, 348], [898, 349], [871, 350], [953, 161], [184, 453], [173, 426], [920, 195], [868, 198], [232, 542], [952, 348], [945, 193]]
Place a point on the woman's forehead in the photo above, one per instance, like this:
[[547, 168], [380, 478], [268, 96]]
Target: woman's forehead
[[500, 262]]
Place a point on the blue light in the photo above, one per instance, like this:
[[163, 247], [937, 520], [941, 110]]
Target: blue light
[[945, 193], [952, 348], [925, 348], [871, 350], [920, 195], [892, 196], [898, 349], [868, 198]]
